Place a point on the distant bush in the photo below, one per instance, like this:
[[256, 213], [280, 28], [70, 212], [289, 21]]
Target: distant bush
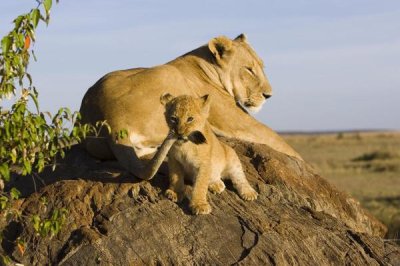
[[376, 155], [357, 136], [384, 167]]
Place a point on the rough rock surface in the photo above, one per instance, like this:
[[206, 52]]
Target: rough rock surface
[[116, 219]]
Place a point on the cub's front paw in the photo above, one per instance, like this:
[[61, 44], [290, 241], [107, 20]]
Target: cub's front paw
[[200, 208], [173, 196], [216, 187], [248, 194]]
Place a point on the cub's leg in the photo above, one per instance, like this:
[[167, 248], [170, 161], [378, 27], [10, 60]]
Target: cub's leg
[[199, 204], [176, 181], [216, 185], [234, 171]]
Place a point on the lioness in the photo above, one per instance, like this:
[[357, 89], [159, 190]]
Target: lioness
[[199, 154], [228, 70]]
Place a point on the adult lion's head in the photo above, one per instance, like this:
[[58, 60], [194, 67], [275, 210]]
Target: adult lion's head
[[241, 71]]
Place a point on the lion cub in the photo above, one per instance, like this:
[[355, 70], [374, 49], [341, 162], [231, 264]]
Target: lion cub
[[198, 154]]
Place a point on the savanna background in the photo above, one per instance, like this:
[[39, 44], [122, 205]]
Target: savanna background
[[366, 165]]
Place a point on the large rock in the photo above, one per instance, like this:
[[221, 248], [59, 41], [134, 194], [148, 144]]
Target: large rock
[[116, 219]]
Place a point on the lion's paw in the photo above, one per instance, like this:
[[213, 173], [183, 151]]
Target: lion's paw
[[172, 195], [216, 187], [248, 194], [200, 208]]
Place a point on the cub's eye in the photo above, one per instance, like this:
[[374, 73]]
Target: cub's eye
[[173, 119], [190, 119]]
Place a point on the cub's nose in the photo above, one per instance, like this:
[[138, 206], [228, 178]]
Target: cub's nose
[[267, 95], [182, 137]]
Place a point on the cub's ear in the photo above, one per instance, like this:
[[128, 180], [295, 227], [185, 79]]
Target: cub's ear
[[220, 47], [166, 98], [241, 38], [197, 137], [205, 102]]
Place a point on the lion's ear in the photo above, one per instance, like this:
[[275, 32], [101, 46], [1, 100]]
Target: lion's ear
[[205, 102], [241, 38], [166, 98], [220, 47]]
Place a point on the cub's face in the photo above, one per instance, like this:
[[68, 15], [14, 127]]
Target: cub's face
[[186, 116]]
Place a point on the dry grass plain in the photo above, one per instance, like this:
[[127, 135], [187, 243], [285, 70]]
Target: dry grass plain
[[366, 165]]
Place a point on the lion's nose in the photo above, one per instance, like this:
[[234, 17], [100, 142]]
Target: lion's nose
[[267, 95]]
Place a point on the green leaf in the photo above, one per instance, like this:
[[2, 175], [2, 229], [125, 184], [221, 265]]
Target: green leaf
[[54, 216], [29, 77], [34, 97], [13, 155], [40, 163], [34, 56], [27, 166], [123, 133], [5, 44], [35, 16], [19, 40], [36, 222], [43, 200], [18, 21], [14, 193], [47, 5], [46, 227], [3, 202], [55, 227], [5, 172]]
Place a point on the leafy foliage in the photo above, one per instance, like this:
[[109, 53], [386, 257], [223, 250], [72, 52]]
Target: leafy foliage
[[30, 140], [43, 227]]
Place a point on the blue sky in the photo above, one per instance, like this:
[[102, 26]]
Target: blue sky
[[333, 64]]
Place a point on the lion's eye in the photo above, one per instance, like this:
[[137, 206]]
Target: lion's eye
[[250, 70], [174, 120], [190, 119]]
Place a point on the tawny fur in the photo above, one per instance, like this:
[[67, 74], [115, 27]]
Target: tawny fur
[[228, 70], [206, 163]]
